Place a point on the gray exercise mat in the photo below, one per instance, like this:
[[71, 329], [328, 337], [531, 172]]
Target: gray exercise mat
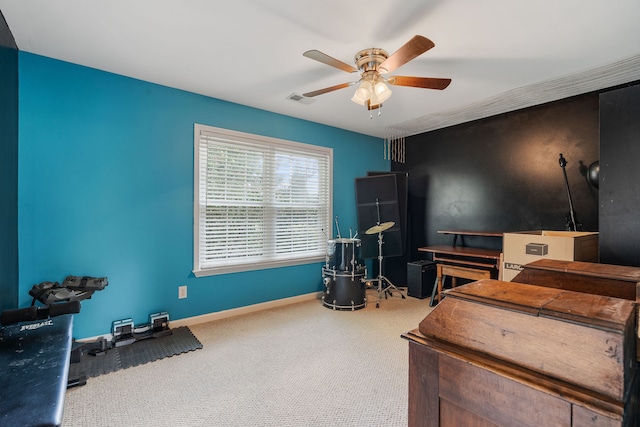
[[181, 340]]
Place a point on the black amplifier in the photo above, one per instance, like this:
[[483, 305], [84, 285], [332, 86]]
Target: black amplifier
[[421, 277]]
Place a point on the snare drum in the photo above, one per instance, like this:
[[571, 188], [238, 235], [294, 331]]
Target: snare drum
[[343, 254], [344, 291]]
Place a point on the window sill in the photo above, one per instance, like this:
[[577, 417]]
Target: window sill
[[228, 269]]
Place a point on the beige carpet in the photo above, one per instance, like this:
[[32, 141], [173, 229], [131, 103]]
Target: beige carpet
[[299, 365]]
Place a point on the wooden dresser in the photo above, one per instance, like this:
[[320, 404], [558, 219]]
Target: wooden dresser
[[496, 353], [618, 281]]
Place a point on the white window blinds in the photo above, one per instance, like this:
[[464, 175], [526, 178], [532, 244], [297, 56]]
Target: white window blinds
[[260, 202]]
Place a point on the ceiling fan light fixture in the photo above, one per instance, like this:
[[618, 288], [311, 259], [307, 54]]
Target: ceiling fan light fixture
[[363, 93], [372, 63], [382, 92]]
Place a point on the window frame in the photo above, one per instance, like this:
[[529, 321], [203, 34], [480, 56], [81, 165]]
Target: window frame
[[241, 137]]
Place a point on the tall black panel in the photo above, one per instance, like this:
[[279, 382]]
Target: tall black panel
[[395, 267], [377, 202], [619, 174], [402, 183]]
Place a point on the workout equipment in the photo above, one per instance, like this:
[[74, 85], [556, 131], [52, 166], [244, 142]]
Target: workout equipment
[[28, 314], [65, 298], [124, 332], [73, 288], [56, 297], [35, 358]]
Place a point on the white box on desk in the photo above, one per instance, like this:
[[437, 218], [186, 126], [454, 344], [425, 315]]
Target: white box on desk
[[523, 247]]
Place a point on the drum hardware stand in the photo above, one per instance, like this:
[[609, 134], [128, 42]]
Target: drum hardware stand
[[381, 279]]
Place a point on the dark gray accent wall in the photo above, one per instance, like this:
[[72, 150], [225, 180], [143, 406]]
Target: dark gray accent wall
[[502, 173], [8, 168], [619, 176]]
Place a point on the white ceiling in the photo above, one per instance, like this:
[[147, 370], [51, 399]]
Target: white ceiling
[[500, 54]]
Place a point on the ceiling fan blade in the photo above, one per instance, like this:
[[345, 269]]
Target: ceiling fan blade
[[326, 59], [327, 89], [414, 47], [423, 82]]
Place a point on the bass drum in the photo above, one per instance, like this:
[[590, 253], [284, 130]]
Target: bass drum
[[344, 254], [344, 291]]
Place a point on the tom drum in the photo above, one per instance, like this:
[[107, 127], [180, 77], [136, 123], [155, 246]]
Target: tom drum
[[344, 254]]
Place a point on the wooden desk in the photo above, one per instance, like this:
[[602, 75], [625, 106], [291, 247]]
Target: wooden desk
[[487, 258], [463, 262], [444, 270], [463, 233]]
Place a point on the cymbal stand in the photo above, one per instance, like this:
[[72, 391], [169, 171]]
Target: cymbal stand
[[384, 284]]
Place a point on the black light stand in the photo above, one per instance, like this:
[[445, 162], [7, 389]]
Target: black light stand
[[572, 223]]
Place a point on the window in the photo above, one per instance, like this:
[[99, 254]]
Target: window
[[259, 202]]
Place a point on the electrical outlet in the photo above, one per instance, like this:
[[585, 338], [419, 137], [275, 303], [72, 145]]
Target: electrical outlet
[[182, 292]]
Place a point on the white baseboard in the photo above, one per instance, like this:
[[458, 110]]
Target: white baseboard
[[210, 317]]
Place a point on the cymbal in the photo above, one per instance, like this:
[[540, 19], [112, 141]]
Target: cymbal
[[380, 228]]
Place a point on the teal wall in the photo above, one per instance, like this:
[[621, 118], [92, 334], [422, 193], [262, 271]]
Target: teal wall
[[105, 174], [8, 169]]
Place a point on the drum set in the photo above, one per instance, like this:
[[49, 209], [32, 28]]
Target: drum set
[[345, 274]]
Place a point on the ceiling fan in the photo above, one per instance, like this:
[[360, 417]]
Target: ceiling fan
[[372, 64]]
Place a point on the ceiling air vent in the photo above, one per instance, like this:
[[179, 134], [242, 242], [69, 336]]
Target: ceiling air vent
[[300, 99]]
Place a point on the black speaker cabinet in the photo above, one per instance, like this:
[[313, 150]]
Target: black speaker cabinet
[[421, 277]]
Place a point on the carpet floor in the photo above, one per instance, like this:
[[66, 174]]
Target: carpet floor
[[298, 365]]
